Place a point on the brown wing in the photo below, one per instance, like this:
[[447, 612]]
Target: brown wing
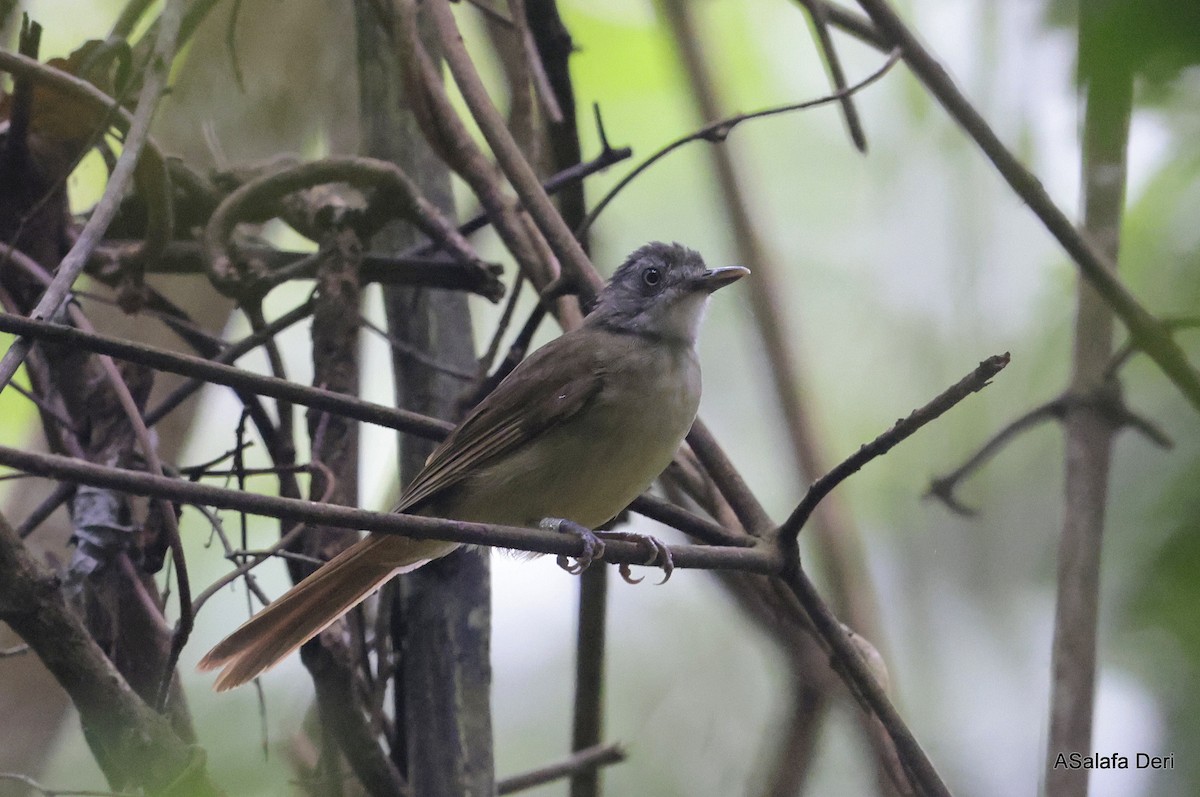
[[554, 383]]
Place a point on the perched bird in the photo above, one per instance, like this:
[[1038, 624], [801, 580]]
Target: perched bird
[[576, 431]]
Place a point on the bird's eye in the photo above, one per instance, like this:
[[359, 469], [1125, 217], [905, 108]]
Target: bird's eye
[[651, 277]]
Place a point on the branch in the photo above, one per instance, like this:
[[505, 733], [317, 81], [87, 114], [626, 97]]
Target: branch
[[849, 664], [586, 760], [447, 134], [818, 13], [408, 268], [249, 200], [572, 259], [1089, 429], [136, 138], [135, 746], [185, 365], [1150, 334], [943, 487], [227, 356], [718, 131], [759, 559], [851, 22], [750, 513], [972, 383], [689, 523]]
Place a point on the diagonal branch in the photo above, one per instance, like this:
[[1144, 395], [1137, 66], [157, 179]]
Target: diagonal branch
[[1149, 333], [135, 746], [971, 383], [572, 259]]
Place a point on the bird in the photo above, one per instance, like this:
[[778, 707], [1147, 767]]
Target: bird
[[575, 432]]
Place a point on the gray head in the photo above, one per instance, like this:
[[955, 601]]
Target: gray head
[[661, 291]]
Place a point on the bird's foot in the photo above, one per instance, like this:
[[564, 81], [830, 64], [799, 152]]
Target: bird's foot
[[657, 554], [593, 546]]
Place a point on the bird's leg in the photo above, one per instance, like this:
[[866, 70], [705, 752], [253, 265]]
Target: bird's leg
[[593, 546], [658, 554]]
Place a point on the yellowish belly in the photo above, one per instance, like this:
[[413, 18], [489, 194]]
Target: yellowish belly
[[591, 466]]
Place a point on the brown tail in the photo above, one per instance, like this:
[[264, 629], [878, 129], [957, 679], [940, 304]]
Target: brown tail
[[314, 604]]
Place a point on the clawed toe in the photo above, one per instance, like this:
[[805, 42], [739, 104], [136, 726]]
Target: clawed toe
[[658, 554], [593, 546]]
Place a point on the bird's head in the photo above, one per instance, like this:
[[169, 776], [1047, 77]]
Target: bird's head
[[661, 291]]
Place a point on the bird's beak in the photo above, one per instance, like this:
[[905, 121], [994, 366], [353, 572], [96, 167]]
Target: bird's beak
[[716, 278]]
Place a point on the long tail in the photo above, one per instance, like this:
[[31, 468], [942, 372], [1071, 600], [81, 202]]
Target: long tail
[[314, 604]]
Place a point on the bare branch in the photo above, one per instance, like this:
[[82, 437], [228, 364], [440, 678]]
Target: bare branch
[[818, 12], [943, 487], [134, 745], [572, 259], [584, 760], [163, 360], [759, 559], [1149, 333], [716, 132], [975, 381], [248, 201], [858, 677]]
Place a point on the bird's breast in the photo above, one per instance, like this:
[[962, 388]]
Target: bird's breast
[[590, 466]]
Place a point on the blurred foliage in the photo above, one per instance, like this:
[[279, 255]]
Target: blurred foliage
[[1166, 600], [1154, 38]]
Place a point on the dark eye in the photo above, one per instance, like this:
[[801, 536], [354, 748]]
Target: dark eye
[[651, 277]]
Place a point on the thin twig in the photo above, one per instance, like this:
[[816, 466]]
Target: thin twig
[[856, 673], [407, 350], [489, 356], [228, 355], [717, 132], [943, 487], [818, 13], [587, 759], [245, 568], [904, 428], [214, 522], [58, 496], [49, 410]]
